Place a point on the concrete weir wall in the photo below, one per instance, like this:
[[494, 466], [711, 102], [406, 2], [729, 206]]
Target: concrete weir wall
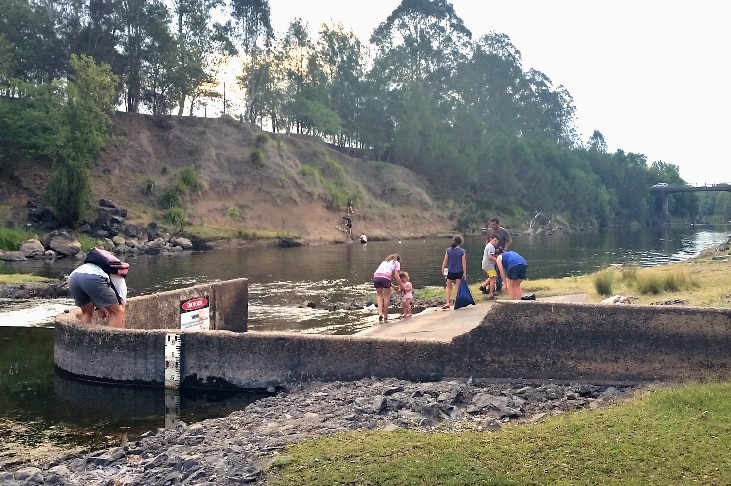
[[518, 340]]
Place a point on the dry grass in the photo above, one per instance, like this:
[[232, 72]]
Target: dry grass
[[704, 281]]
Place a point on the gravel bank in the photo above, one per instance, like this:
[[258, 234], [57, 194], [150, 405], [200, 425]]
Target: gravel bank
[[237, 449]]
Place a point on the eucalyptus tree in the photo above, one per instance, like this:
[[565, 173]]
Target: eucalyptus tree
[[545, 110], [680, 205], [163, 77], [486, 118], [199, 40], [295, 52], [489, 83], [37, 53], [341, 60], [596, 142], [252, 22], [418, 48], [140, 22], [633, 198]]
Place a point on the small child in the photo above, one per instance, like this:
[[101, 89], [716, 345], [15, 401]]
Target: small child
[[407, 293], [488, 265]]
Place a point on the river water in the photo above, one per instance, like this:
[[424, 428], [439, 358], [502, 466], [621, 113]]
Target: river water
[[282, 282]]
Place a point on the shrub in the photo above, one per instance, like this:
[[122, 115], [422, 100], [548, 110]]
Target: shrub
[[87, 242], [257, 158], [654, 282], [648, 283], [308, 170], [262, 139], [604, 281], [170, 199], [176, 217], [677, 281], [191, 180], [180, 189], [629, 274], [232, 212]]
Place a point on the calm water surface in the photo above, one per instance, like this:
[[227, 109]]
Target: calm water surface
[[282, 281]]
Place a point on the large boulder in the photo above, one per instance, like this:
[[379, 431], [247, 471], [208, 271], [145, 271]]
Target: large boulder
[[61, 242], [32, 248], [183, 243], [12, 256]]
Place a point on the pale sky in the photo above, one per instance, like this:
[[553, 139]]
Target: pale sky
[[650, 75]]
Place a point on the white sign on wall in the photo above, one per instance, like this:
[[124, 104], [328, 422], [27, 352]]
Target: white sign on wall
[[195, 314]]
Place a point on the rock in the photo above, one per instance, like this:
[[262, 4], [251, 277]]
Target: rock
[[183, 243], [32, 248], [12, 256], [617, 299], [238, 448], [62, 243]]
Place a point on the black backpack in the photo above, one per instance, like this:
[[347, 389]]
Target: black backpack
[[107, 261]]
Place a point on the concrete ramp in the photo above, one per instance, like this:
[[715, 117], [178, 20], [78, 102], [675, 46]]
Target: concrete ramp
[[433, 324]]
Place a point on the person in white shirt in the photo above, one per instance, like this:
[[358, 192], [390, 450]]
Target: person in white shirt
[[92, 288]]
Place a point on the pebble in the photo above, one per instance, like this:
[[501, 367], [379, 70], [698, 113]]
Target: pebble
[[239, 448]]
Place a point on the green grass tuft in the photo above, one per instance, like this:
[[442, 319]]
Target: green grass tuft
[[604, 281]]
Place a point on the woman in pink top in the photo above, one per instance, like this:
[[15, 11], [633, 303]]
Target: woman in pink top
[[386, 272]]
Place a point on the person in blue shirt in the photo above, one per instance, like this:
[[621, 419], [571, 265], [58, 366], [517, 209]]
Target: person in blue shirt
[[513, 268]]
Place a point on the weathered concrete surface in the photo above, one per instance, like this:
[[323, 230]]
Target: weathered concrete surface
[[518, 340], [597, 342], [228, 300], [432, 324]]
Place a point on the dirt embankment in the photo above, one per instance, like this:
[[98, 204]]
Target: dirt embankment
[[251, 181]]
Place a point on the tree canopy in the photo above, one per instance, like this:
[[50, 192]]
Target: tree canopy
[[421, 92]]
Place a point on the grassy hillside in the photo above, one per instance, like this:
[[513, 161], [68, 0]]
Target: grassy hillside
[[251, 181]]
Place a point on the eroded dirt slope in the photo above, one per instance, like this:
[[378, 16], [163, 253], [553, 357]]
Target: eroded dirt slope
[[289, 188]]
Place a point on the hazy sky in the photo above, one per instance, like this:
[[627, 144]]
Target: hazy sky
[[648, 74]]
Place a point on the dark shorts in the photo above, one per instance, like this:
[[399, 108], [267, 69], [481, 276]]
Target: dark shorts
[[455, 276], [381, 283], [87, 287], [518, 272]]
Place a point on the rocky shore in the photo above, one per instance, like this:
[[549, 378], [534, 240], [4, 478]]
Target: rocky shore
[[239, 448]]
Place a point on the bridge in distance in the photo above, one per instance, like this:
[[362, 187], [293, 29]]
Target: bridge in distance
[[663, 190]]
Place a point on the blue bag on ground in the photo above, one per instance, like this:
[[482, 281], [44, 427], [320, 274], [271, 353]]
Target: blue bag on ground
[[464, 296]]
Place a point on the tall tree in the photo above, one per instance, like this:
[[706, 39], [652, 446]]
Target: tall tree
[[597, 142], [418, 49], [427, 38], [252, 19], [37, 52], [342, 59], [296, 50], [140, 21], [89, 103], [198, 39]]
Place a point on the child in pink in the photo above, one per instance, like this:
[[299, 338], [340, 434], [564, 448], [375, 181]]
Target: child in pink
[[407, 293]]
